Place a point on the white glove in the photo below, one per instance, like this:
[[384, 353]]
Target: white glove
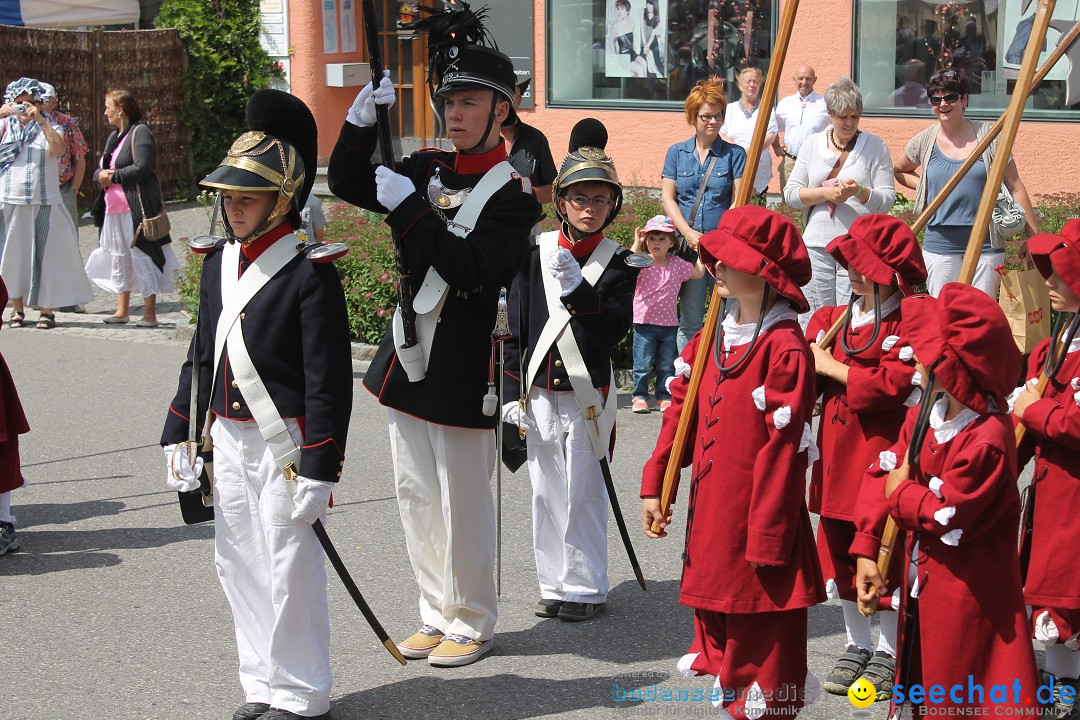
[[312, 497], [362, 112], [391, 189], [564, 267], [180, 475], [682, 367], [511, 413]]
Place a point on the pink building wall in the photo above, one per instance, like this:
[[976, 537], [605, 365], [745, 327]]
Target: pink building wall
[[1047, 154]]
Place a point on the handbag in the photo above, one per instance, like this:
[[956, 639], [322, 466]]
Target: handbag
[[152, 228], [1025, 300], [684, 250], [1007, 219]]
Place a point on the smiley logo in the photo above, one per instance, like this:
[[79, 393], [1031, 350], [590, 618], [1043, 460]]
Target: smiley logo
[[862, 693]]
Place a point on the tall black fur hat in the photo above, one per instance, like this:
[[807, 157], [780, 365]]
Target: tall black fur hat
[[279, 152]]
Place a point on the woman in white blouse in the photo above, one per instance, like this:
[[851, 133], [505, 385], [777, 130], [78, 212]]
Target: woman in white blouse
[[741, 116], [841, 173]]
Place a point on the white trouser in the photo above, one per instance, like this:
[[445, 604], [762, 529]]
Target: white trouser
[[569, 501], [443, 479], [273, 571], [828, 286], [943, 269]]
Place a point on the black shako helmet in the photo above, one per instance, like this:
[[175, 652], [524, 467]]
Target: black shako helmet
[[462, 55], [587, 162], [274, 154]]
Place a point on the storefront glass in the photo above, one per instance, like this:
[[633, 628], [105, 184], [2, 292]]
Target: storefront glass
[[983, 39], [642, 53]]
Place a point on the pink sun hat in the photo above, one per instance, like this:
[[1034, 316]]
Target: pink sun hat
[[659, 223]]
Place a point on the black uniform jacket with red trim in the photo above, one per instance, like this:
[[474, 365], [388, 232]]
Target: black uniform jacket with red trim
[[475, 268], [296, 331], [600, 316]]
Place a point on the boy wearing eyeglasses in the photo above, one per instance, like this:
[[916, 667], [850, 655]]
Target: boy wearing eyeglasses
[[571, 303]]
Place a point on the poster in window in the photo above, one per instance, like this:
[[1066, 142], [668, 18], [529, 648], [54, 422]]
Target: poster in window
[[1018, 20], [636, 39]]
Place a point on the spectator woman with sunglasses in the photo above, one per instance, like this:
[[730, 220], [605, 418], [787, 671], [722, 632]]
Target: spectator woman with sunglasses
[[940, 150]]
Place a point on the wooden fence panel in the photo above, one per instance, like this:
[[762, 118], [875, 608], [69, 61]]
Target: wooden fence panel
[[82, 65]]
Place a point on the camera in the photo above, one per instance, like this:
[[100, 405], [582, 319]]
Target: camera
[[19, 108]]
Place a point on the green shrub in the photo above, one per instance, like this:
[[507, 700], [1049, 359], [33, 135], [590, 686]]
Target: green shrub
[[368, 272], [226, 65]]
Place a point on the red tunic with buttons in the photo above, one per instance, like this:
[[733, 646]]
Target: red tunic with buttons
[[971, 619], [12, 422], [1053, 438], [745, 502], [858, 421]]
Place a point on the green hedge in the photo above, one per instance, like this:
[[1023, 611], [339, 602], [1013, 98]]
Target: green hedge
[[369, 277]]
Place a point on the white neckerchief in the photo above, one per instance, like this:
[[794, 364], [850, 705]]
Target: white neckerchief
[[946, 430], [860, 317], [735, 334], [1074, 345]]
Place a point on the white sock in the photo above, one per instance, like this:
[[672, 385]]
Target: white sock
[[886, 641], [856, 625], [5, 508], [1062, 662]]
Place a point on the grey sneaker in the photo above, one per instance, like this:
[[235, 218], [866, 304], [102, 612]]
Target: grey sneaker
[[9, 541]]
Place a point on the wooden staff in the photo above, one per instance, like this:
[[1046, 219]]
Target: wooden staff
[[1010, 122], [920, 222], [742, 196]]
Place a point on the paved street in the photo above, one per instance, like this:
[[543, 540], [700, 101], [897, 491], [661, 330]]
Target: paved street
[[113, 610]]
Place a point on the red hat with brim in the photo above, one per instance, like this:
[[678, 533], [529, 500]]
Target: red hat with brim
[[764, 243], [881, 248], [964, 336], [1059, 252]]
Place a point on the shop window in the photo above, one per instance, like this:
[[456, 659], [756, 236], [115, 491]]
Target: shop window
[[983, 39], [641, 53]]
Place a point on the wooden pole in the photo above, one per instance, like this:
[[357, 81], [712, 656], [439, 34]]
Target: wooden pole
[[920, 222], [742, 196], [1010, 124]]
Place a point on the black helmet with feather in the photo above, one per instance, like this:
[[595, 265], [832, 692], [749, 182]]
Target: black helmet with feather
[[463, 55]]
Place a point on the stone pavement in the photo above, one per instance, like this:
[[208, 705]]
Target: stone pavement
[[112, 609]]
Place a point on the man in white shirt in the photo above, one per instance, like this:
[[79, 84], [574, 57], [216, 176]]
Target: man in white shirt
[[798, 116]]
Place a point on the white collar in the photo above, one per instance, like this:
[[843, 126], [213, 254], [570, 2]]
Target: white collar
[[1075, 344], [735, 334], [860, 317], [946, 430]]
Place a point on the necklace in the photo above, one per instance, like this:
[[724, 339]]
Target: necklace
[[850, 143], [747, 113]]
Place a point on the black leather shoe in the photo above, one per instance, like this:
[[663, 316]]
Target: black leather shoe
[[251, 711], [276, 714], [574, 611], [547, 608]]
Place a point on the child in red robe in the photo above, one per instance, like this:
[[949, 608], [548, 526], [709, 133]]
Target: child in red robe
[[749, 567], [12, 425], [865, 382], [1052, 585], [963, 625]]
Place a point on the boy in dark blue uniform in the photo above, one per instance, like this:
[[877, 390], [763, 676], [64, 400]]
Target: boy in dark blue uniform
[[273, 344], [464, 219]]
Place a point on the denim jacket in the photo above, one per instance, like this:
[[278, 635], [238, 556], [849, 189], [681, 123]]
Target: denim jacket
[[682, 166]]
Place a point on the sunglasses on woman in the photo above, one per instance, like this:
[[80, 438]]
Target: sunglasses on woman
[[952, 97]]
